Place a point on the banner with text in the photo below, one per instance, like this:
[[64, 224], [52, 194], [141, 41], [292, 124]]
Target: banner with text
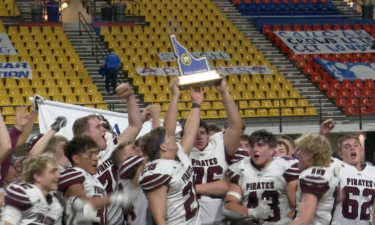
[[327, 42], [228, 70], [49, 110], [170, 56], [349, 71], [16, 70], [6, 46]]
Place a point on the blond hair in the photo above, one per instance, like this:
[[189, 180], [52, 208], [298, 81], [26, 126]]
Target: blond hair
[[318, 145], [35, 165], [51, 146], [347, 137]]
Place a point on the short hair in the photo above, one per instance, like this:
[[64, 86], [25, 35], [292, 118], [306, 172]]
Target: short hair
[[245, 137], [292, 143], [137, 142], [278, 142], [82, 124], [116, 154], [263, 135], [35, 165], [226, 125], [318, 145], [202, 123], [51, 146], [77, 146], [346, 137], [214, 127], [150, 141]]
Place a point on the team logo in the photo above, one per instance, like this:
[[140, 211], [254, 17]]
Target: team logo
[[186, 59]]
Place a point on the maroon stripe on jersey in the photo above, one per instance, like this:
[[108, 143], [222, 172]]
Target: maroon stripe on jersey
[[129, 167], [154, 181], [70, 177], [295, 165], [312, 187], [292, 173], [233, 177], [16, 197]]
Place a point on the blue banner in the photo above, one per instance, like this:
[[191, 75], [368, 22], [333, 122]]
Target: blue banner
[[351, 71], [188, 65]]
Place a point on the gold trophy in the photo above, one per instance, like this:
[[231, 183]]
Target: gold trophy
[[194, 72]]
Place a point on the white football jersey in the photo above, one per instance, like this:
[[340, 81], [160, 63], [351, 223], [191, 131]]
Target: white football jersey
[[182, 204], [323, 182], [269, 184], [92, 187], [107, 175], [210, 165], [359, 188], [36, 208], [138, 213]]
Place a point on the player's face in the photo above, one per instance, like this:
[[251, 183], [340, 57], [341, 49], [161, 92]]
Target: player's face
[[351, 152], [201, 139], [12, 175], [261, 154], [305, 159], [281, 150], [170, 143], [88, 161], [287, 142], [60, 156], [97, 133], [49, 178], [244, 145]]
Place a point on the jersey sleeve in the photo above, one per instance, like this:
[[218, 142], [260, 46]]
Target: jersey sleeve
[[313, 184], [292, 171], [17, 197], [129, 167], [240, 154], [234, 173], [70, 177], [152, 179]]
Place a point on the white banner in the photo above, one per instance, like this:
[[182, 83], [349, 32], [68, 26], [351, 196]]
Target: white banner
[[168, 71], [6, 46], [49, 110], [327, 42], [16, 70], [170, 56]]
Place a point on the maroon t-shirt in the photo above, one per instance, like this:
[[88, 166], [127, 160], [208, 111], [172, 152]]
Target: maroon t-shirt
[[14, 134]]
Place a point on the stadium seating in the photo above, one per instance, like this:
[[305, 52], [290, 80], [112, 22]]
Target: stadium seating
[[58, 73], [285, 6], [8, 8], [355, 97], [201, 27]]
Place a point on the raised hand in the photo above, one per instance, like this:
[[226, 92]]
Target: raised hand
[[124, 90], [175, 91], [222, 87], [196, 95], [36, 99], [59, 123], [326, 127], [149, 111]]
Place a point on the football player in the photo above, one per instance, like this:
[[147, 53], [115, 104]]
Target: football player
[[319, 181], [282, 149], [357, 185], [290, 143], [262, 187], [32, 201], [210, 157], [168, 179], [92, 127], [79, 186]]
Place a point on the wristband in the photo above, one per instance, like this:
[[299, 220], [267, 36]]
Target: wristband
[[195, 105]]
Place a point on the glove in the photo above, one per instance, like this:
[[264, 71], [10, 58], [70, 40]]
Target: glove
[[262, 212], [77, 204], [123, 199], [59, 123], [34, 103]]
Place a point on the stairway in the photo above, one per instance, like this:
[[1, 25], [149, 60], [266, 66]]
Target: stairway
[[83, 46], [25, 9], [346, 10], [282, 63]]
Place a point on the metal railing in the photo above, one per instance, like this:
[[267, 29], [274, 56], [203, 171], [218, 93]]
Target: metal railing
[[97, 48], [40, 17]]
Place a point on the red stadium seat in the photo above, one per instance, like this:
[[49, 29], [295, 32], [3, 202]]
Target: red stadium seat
[[316, 78], [340, 101], [371, 109], [297, 28], [364, 101], [288, 28], [357, 27], [351, 110], [372, 101], [307, 28], [352, 101], [335, 84], [337, 27], [267, 29], [369, 83], [347, 27], [354, 59], [301, 63], [355, 92], [347, 84], [358, 55], [327, 27], [324, 86], [327, 77], [344, 60], [293, 56], [337, 56], [332, 93], [308, 70], [317, 27], [363, 110], [344, 93], [367, 92], [365, 60], [357, 83]]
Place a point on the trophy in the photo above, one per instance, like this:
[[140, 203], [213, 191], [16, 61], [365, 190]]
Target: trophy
[[194, 72]]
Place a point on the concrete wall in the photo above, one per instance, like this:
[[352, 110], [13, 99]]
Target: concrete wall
[[70, 14]]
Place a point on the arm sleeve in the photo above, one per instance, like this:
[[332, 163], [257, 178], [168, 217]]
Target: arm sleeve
[[129, 167], [16, 197], [11, 215], [70, 177], [154, 181], [14, 135], [240, 154], [292, 173], [234, 177], [314, 185]]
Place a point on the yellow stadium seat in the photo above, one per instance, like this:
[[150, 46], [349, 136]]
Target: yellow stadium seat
[[259, 95], [298, 111], [240, 87], [104, 30], [249, 113], [45, 73], [3, 91], [243, 104], [137, 81], [71, 99], [185, 97], [38, 58], [83, 99], [262, 112], [287, 85], [26, 58], [59, 30], [165, 106], [303, 102], [247, 95], [54, 44], [294, 93], [49, 82], [79, 90], [286, 112], [41, 66], [275, 86], [212, 114], [267, 104], [102, 107], [8, 111], [257, 78], [274, 112], [74, 81], [254, 104], [58, 98], [1, 83], [10, 82], [156, 89], [13, 58], [54, 65], [96, 98], [276, 103], [5, 100], [66, 90], [14, 91], [23, 82], [311, 111], [54, 90], [47, 30], [39, 38], [217, 105], [230, 87], [27, 91], [10, 119], [235, 95], [51, 37], [27, 37], [203, 115], [18, 100], [34, 51], [263, 86], [41, 91], [185, 114], [162, 97], [211, 96], [149, 98], [283, 94], [12, 30], [290, 103], [91, 88], [70, 73]]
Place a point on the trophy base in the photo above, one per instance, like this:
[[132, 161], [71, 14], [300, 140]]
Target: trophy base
[[199, 80]]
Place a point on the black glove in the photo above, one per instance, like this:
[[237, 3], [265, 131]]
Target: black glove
[[59, 123]]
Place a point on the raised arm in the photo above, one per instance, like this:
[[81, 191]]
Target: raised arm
[[170, 120], [232, 135], [41, 145], [192, 124], [125, 91], [326, 127], [152, 112], [5, 143]]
